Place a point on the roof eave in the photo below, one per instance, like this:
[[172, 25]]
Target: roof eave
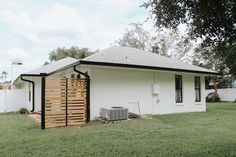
[[144, 67], [48, 74]]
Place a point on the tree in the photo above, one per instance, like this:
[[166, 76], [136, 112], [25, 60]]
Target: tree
[[73, 52], [212, 21], [4, 76], [215, 20], [169, 43], [1, 78], [135, 37], [230, 56], [206, 57]]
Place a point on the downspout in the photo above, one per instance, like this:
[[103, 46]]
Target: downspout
[[43, 102], [87, 92], [32, 82]]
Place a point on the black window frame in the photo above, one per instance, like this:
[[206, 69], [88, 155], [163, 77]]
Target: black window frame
[[197, 87], [179, 88]]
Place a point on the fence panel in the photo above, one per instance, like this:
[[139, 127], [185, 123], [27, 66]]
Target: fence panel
[[12, 100], [227, 94], [65, 102], [2, 101]]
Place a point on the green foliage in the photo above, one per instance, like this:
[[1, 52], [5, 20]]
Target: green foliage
[[167, 43], [136, 37], [222, 61], [214, 21], [207, 57], [23, 111], [213, 97], [73, 52], [230, 57], [208, 134]]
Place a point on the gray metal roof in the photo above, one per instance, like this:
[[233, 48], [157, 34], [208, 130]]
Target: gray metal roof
[[54, 66], [135, 57]]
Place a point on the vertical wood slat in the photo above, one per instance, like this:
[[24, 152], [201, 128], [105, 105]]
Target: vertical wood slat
[[65, 102]]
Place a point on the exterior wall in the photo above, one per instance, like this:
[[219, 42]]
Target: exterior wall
[[166, 97], [132, 88], [227, 94], [25, 86], [37, 93], [114, 87], [128, 88]]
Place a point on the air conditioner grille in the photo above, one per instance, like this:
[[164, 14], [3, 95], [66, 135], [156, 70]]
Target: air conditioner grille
[[114, 113]]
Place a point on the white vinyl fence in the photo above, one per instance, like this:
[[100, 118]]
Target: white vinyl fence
[[228, 94], [12, 100]]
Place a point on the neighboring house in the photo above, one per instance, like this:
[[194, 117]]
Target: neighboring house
[[119, 76]]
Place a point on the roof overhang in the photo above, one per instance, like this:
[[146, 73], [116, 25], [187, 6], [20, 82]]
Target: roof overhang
[[144, 67], [46, 74]]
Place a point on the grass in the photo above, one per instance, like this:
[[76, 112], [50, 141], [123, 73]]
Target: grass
[[212, 133]]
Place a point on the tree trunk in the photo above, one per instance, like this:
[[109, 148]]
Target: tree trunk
[[215, 88]]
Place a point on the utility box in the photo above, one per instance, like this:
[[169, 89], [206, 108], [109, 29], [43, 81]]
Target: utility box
[[156, 89]]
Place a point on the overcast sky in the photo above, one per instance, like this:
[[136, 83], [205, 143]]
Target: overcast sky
[[30, 29]]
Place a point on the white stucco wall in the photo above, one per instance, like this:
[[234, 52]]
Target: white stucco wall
[[130, 87], [167, 102], [37, 81], [119, 87], [115, 87], [25, 86]]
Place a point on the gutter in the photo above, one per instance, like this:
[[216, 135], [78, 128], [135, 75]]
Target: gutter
[[33, 89], [87, 93], [143, 67]]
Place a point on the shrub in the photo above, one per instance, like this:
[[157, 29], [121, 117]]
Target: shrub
[[213, 97], [23, 111]]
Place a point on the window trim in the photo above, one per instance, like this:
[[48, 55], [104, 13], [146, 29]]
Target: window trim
[[196, 88], [181, 78]]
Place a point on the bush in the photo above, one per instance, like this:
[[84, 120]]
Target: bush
[[213, 97], [23, 111]]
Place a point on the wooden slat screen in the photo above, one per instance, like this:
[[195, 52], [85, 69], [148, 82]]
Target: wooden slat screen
[[65, 102]]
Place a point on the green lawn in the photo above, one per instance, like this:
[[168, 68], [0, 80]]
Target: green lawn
[[212, 133]]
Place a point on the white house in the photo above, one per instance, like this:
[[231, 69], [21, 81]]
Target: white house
[[119, 76]]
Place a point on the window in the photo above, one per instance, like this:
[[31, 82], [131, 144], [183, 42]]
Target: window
[[178, 89], [197, 85]]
